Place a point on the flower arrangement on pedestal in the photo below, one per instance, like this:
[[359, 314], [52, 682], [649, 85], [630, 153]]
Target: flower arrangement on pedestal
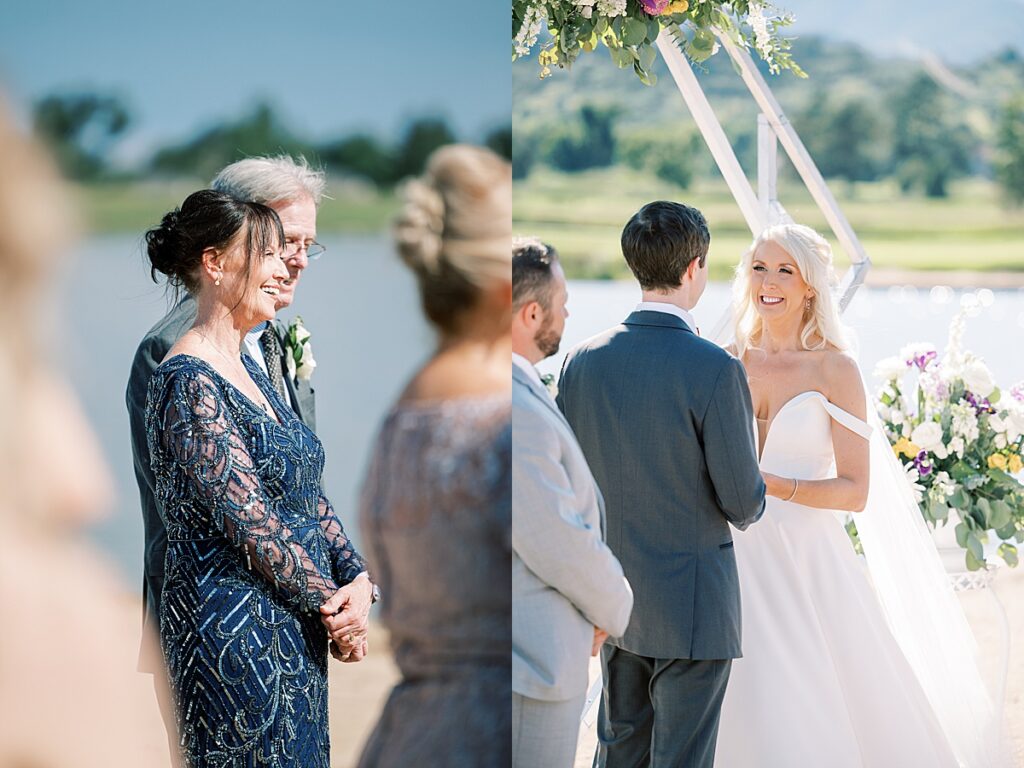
[[960, 441], [629, 29]]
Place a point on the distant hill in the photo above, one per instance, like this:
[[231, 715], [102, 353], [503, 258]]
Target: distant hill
[[837, 71], [832, 67]]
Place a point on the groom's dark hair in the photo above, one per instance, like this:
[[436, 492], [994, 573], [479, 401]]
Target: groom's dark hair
[[531, 271], [661, 241]]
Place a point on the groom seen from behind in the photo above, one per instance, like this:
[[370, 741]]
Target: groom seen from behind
[[568, 590], [665, 421]]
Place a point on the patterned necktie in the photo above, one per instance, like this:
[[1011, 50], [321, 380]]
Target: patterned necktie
[[272, 352]]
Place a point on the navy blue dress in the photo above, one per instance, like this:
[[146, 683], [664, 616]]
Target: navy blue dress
[[254, 549]]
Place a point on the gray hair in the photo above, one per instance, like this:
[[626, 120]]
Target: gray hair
[[269, 180]]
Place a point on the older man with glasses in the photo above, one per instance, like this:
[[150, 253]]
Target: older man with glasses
[[294, 191]]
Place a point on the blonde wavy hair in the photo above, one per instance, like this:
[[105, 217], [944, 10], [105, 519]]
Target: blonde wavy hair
[[822, 326]]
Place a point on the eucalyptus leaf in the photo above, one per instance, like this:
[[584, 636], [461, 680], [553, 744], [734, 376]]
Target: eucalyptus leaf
[[1006, 532], [985, 510], [973, 563], [647, 56], [653, 29], [634, 32], [959, 499], [974, 546], [961, 535], [1001, 514], [622, 57], [1009, 554]]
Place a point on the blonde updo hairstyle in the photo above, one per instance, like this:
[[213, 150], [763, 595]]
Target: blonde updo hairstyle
[[822, 327], [455, 230]]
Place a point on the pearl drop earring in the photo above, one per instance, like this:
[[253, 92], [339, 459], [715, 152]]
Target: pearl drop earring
[[217, 282], [807, 304]]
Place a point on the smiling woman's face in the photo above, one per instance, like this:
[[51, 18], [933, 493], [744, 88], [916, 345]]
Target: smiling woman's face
[[776, 286], [253, 296]]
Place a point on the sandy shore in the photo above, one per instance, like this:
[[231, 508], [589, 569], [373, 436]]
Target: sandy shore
[[985, 619], [358, 691]]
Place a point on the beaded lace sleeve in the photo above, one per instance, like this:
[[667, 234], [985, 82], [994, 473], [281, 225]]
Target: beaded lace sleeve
[[200, 437], [346, 563]]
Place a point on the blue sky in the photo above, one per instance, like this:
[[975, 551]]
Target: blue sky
[[329, 67]]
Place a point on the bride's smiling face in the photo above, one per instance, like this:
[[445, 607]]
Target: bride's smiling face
[[777, 288]]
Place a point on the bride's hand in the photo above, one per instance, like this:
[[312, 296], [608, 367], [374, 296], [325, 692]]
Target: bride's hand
[[780, 487]]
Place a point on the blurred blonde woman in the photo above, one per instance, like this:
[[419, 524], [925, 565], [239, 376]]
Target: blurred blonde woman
[[436, 504], [67, 630], [823, 680]]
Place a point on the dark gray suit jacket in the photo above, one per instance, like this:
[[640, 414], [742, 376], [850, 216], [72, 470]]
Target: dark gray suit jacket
[[152, 350], [665, 420]]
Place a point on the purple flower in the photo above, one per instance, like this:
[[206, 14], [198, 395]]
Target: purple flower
[[1017, 391], [921, 360], [921, 463], [654, 7], [980, 404]]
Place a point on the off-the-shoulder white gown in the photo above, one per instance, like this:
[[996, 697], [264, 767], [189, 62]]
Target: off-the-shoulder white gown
[[822, 681]]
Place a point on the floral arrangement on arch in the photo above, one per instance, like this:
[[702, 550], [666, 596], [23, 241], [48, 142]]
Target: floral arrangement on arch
[[960, 442], [629, 29]]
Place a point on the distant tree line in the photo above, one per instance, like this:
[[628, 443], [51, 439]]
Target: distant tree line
[[917, 136], [83, 129]]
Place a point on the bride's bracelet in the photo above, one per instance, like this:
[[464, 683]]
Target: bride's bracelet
[[796, 485]]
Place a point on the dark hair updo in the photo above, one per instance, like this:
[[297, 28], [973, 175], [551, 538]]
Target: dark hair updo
[[208, 219]]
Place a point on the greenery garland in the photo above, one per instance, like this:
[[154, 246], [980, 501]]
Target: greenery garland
[[629, 29]]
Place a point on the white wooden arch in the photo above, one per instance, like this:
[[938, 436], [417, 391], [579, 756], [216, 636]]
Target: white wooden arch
[[762, 208]]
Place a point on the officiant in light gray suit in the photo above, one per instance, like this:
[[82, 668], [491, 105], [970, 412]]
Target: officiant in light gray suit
[[568, 589], [665, 420]]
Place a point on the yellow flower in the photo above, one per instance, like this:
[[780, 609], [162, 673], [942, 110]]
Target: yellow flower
[[907, 448], [678, 6], [1016, 465], [997, 461]]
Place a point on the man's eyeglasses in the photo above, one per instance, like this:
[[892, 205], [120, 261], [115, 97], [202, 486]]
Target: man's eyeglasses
[[313, 249]]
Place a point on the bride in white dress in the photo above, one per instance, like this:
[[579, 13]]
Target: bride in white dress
[[823, 680]]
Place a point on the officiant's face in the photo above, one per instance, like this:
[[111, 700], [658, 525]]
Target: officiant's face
[[549, 337], [298, 218], [776, 285]]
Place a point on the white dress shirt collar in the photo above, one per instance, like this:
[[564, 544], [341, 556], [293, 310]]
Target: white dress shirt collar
[[668, 309], [529, 369]]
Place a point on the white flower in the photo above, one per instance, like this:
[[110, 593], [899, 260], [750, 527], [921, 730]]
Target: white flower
[[928, 435], [965, 422], [912, 478], [529, 31], [1000, 441], [890, 368], [611, 7], [586, 7], [944, 483], [1014, 423], [306, 366], [956, 446], [978, 378], [299, 351]]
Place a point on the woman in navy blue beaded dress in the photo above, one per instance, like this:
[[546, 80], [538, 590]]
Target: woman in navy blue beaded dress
[[254, 548]]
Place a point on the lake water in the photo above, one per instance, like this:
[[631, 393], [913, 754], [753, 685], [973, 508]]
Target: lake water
[[882, 320], [368, 337], [357, 300]]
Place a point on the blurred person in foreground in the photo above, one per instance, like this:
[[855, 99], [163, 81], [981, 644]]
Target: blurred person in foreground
[[436, 504], [67, 639], [293, 190], [568, 590], [255, 553]]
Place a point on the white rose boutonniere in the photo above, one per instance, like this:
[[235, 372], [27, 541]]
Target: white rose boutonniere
[[299, 353]]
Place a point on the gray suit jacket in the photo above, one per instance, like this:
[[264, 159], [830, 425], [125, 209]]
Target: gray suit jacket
[[665, 420], [151, 351], [565, 580]]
